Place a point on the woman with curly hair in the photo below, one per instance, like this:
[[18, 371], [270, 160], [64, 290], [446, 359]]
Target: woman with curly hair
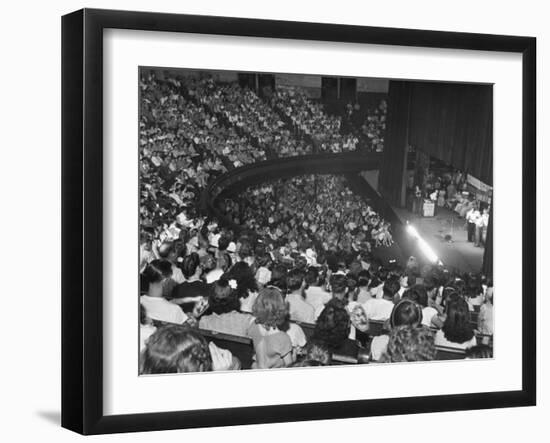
[[409, 343], [273, 347], [457, 332], [175, 348], [405, 313], [332, 330], [224, 311]]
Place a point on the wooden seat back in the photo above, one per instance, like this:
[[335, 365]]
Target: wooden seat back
[[240, 347], [447, 353]]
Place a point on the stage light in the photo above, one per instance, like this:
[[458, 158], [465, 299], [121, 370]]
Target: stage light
[[424, 247]]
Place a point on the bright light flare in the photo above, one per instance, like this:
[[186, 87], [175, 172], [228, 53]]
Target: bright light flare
[[424, 247]]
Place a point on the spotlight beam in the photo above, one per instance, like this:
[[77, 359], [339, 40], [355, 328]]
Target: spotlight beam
[[423, 245]]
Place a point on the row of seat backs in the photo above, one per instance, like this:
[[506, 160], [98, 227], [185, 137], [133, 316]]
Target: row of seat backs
[[243, 349]]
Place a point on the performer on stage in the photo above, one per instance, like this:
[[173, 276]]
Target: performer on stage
[[471, 223]]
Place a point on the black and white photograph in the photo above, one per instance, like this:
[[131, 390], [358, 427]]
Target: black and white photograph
[[294, 220]]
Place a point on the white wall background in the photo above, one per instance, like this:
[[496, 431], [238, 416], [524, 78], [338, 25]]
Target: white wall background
[[30, 216]]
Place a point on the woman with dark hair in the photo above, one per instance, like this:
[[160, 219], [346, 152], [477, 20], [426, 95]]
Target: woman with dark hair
[[278, 277], [363, 293], [457, 331], [247, 287], [273, 347], [405, 313], [223, 314], [409, 343], [193, 286], [174, 349], [333, 328], [156, 306]]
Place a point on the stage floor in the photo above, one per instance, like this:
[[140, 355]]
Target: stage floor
[[458, 253]]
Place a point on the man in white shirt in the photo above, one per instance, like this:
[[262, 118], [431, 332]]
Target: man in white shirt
[[299, 309], [158, 308], [470, 219], [381, 308], [316, 295]]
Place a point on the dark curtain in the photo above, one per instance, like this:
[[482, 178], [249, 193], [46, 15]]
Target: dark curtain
[[454, 123], [392, 166], [488, 254], [450, 121]]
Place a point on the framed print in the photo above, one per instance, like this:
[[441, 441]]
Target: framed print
[[271, 221]]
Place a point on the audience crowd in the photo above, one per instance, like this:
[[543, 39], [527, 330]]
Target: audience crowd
[[299, 279]]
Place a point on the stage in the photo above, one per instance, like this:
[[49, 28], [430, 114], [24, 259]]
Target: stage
[[456, 253]]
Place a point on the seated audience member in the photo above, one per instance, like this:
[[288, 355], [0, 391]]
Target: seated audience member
[[363, 293], [381, 308], [247, 288], [333, 328], [383, 275], [358, 318], [431, 313], [316, 295], [146, 328], [278, 277], [474, 292], [167, 251], [223, 314], [193, 286], [339, 288], [272, 346], [405, 282], [175, 348], [456, 331], [315, 354], [156, 306], [299, 309], [376, 287], [479, 351], [223, 263], [263, 273], [419, 294], [485, 318], [409, 343], [405, 313], [296, 334], [146, 254]]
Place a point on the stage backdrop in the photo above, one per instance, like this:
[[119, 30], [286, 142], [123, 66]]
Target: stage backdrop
[[450, 121]]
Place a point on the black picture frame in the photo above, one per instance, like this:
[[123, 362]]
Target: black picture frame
[[82, 219]]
